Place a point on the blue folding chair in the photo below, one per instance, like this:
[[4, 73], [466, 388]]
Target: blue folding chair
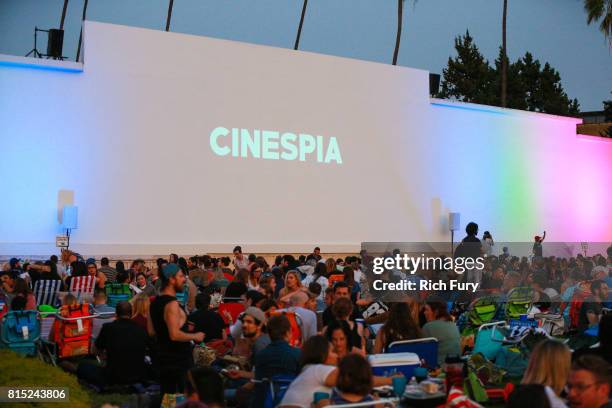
[[276, 387], [488, 341], [426, 349], [20, 331]]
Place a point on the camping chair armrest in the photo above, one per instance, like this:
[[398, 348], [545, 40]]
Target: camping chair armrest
[[69, 319], [384, 401], [423, 340], [491, 324]]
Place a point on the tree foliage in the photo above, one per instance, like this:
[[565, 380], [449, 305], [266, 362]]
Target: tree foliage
[[531, 86], [600, 11]]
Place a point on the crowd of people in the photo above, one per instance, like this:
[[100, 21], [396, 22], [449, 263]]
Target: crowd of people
[[153, 336]]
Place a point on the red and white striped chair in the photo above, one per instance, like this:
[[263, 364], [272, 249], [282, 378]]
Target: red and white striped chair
[[83, 287]]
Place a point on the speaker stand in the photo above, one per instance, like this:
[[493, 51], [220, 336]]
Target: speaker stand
[[34, 51]]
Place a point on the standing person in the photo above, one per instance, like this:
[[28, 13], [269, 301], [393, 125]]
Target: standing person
[[470, 248], [240, 261], [317, 253], [167, 320], [537, 245], [487, 243]]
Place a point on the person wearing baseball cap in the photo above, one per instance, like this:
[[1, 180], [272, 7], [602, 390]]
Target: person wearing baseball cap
[[253, 321], [166, 321]]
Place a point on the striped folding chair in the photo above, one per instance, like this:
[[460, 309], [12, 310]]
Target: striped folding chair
[[83, 287], [46, 290]]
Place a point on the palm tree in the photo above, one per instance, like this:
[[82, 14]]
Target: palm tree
[[400, 12], [504, 62], [63, 14], [169, 17], [299, 33], [81, 35], [600, 10]]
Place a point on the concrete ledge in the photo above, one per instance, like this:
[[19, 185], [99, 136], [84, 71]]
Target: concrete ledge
[[40, 63]]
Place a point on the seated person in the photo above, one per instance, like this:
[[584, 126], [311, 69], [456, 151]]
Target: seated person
[[124, 343], [100, 305], [400, 325], [355, 381], [252, 340], [297, 304], [142, 286], [22, 290], [604, 350], [588, 385], [340, 336], [529, 395], [440, 325], [549, 365], [592, 305], [341, 289], [278, 358], [18, 304], [206, 321], [318, 373], [203, 388]]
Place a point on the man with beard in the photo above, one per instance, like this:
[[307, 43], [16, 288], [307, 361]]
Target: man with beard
[[240, 390], [253, 340], [168, 321]]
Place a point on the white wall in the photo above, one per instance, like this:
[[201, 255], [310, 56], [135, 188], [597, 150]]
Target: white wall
[[130, 136]]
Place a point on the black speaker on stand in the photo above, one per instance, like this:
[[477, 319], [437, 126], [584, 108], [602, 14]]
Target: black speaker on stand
[[434, 84], [55, 44]]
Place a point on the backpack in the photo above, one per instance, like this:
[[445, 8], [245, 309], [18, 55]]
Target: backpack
[[296, 326], [580, 294]]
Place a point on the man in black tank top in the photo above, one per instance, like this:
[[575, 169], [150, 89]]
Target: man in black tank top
[[168, 322]]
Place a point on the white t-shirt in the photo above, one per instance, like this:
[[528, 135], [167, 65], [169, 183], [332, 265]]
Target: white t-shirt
[[311, 380]]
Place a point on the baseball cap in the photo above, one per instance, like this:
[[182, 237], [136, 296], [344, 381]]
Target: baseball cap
[[170, 270], [256, 313]]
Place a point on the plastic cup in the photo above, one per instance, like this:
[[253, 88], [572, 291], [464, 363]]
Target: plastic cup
[[420, 373], [319, 396], [399, 385]]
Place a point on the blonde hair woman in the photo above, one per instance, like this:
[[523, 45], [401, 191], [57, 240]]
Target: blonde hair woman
[[292, 285], [140, 309], [549, 365]]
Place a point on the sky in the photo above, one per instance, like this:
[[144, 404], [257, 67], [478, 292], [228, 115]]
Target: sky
[[554, 31]]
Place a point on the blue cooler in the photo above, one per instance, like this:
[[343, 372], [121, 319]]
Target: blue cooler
[[387, 364]]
